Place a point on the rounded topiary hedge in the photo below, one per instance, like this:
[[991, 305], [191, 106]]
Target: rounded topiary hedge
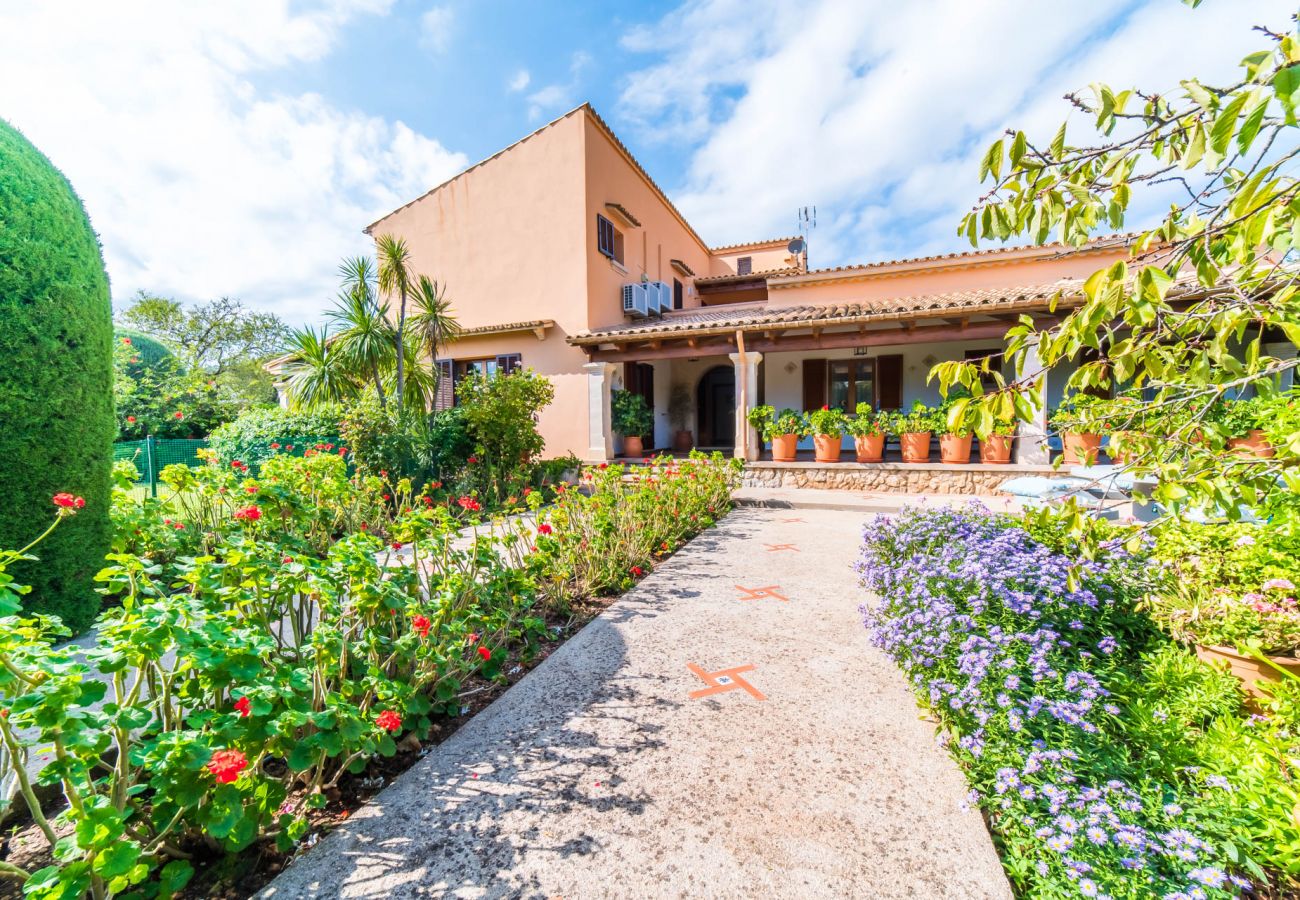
[[56, 399], [142, 351], [250, 437]]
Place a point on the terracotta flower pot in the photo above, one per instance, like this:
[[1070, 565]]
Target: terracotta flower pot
[[1247, 668], [1254, 442], [633, 446], [683, 441], [870, 448], [826, 447], [954, 449], [1080, 449], [784, 447], [996, 449], [916, 446]]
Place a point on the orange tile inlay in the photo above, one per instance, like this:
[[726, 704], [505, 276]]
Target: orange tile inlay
[[772, 590], [724, 680], [772, 547], [792, 520]]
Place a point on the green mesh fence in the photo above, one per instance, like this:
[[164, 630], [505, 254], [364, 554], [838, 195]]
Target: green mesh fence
[[152, 455]]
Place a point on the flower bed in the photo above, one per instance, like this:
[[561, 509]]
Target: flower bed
[[1108, 761], [268, 648]]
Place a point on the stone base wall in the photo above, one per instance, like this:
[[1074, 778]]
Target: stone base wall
[[888, 478]]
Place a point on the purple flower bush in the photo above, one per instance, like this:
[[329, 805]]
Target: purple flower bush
[[1026, 656]]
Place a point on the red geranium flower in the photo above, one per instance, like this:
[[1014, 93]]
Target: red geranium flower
[[472, 460], [275, 446], [485, 653], [472, 637], [126, 341], [287, 559], [179, 414], [245, 707], [826, 406], [544, 529], [130, 418], [397, 545], [226, 765], [603, 466], [251, 489], [469, 503], [638, 571], [64, 500], [421, 624], [383, 473], [248, 514], [389, 721]]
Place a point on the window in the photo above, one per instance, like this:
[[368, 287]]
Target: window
[[851, 381], [677, 294], [452, 371], [745, 265], [609, 240]]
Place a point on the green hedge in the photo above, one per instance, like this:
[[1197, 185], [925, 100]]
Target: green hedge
[[249, 438], [56, 398]]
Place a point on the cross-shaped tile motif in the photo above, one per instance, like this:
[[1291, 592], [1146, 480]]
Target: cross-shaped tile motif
[[774, 547], [724, 680], [758, 593]]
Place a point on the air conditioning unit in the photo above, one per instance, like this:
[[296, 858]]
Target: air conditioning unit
[[662, 294], [636, 301]]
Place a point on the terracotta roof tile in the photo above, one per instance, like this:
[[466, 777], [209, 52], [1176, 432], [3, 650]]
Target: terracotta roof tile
[[747, 244], [765, 273], [711, 320], [506, 327]]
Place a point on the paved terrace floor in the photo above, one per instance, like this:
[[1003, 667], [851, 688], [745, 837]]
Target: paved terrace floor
[[723, 730]]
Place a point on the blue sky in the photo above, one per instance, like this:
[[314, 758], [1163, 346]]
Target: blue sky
[[238, 148]]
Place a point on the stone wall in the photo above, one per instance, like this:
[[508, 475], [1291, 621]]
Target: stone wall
[[888, 478]]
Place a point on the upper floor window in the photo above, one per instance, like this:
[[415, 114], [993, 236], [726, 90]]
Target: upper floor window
[[609, 240], [744, 265]]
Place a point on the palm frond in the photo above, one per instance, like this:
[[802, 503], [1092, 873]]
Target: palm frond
[[316, 374]]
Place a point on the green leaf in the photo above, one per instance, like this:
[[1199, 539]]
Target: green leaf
[[1250, 127], [117, 859], [1017, 148], [1226, 124], [1057, 147], [992, 161]]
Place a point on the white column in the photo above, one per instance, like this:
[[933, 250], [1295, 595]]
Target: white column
[[600, 435], [1031, 436], [748, 376]]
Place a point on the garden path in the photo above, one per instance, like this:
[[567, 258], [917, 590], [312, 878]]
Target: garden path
[[723, 730]]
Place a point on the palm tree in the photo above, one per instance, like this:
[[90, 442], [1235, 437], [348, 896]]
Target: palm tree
[[421, 380], [395, 280], [432, 320], [366, 339], [317, 374]]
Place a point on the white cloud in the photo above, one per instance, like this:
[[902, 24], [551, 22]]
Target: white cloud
[[519, 81], [877, 111], [560, 96], [199, 183], [436, 26]]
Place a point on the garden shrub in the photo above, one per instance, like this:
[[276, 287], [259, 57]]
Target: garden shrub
[[56, 397], [501, 414], [257, 435], [141, 351], [406, 444], [1094, 744], [268, 643]]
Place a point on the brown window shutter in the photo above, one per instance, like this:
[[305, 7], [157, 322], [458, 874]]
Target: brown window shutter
[[889, 382], [814, 384], [445, 398]]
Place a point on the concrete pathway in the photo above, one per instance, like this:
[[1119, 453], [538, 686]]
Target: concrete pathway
[[724, 730]]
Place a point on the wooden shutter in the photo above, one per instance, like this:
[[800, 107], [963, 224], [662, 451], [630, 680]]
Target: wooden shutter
[[889, 382], [745, 265], [814, 384], [445, 398], [677, 294]]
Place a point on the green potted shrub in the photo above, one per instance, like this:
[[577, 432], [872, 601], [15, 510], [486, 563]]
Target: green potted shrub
[[1243, 422], [914, 429], [782, 430], [868, 428], [995, 447], [827, 426], [1077, 421], [631, 419]]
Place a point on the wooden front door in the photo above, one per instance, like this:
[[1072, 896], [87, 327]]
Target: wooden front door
[[716, 406]]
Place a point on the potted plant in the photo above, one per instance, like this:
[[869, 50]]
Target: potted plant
[[679, 415], [827, 426], [1254, 634], [1242, 421], [914, 428], [631, 419], [782, 430], [954, 436], [1080, 429], [995, 447], [868, 428]]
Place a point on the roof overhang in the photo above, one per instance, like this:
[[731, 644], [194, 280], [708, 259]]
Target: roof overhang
[[538, 327]]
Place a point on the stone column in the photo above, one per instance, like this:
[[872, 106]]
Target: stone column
[[1031, 436], [600, 434], [748, 376]]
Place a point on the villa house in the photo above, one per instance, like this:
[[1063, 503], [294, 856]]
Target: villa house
[[562, 255]]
